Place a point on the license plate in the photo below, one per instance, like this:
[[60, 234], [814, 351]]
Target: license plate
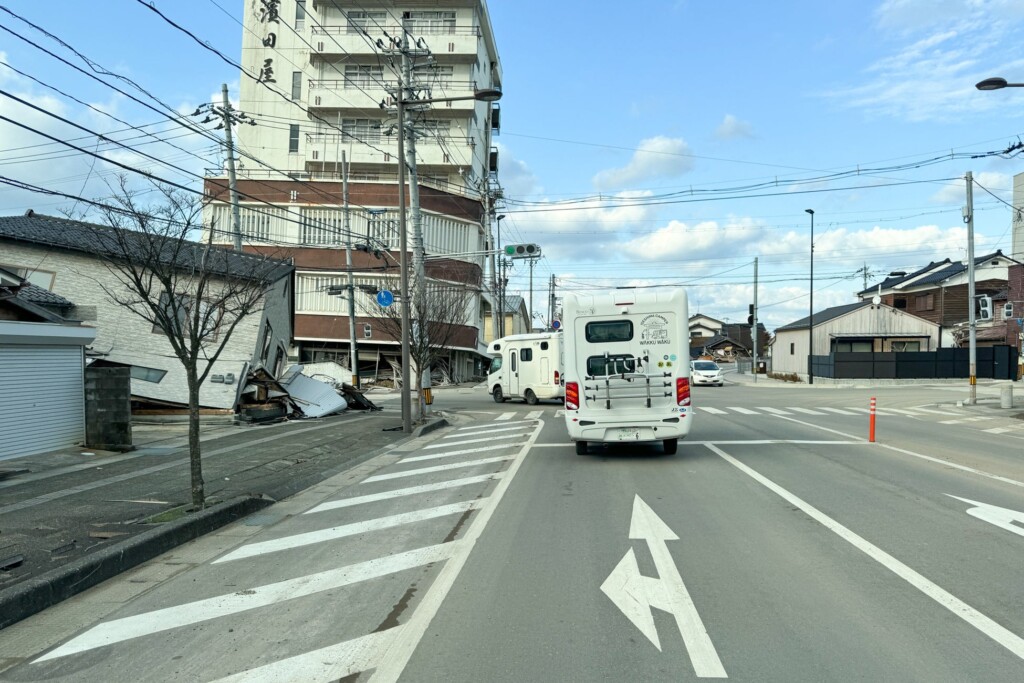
[[628, 434]]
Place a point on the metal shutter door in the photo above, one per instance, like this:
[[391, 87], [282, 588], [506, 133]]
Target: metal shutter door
[[42, 399]]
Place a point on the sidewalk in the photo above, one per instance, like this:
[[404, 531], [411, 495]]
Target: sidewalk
[[73, 518]]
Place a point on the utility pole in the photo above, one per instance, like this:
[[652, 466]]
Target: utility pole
[[352, 346], [971, 322], [501, 282], [236, 218], [753, 327], [551, 302], [530, 310], [489, 216]]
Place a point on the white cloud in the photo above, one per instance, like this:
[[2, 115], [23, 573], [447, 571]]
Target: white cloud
[[952, 45], [731, 128], [657, 157]]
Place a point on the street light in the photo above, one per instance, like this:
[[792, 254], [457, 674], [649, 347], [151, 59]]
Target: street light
[[810, 319], [487, 95], [997, 84]]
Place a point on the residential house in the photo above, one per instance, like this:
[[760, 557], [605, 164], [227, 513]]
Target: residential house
[[42, 362], [731, 342], [703, 326], [861, 326], [939, 293], [68, 257]]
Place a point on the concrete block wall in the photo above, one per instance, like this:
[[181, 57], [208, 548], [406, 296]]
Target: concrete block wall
[[108, 408]]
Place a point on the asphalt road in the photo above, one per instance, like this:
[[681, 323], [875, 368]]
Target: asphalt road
[[776, 545]]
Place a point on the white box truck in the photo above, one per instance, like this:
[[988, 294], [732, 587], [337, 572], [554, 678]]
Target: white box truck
[[627, 366], [526, 366]]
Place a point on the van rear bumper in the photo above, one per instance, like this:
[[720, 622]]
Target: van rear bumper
[[625, 430]]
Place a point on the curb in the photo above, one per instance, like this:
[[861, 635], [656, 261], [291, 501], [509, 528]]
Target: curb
[[34, 595], [433, 425]]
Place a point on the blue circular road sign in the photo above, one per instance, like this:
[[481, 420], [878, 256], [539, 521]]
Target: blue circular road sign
[[385, 298]]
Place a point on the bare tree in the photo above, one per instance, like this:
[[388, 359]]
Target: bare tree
[[441, 314], [195, 293]]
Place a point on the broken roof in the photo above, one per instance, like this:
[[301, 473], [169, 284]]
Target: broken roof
[[103, 240]]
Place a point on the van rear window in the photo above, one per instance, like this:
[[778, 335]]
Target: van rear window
[[603, 331]]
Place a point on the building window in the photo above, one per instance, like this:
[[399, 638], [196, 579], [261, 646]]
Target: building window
[[925, 302], [39, 278], [363, 76], [362, 130], [296, 85], [900, 302], [359, 22], [268, 339], [293, 138], [792, 349], [367, 330], [300, 15]]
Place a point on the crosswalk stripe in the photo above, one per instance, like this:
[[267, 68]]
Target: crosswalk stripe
[[997, 430], [774, 411], [805, 411], [436, 468], [127, 628], [904, 411], [323, 535], [743, 411], [483, 429], [535, 415], [504, 416], [709, 409], [399, 493], [837, 411], [932, 410]]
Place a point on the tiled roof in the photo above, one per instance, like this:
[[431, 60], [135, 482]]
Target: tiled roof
[[102, 240], [43, 297]]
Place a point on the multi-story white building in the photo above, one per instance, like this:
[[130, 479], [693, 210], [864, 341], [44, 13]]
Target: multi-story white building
[[325, 77]]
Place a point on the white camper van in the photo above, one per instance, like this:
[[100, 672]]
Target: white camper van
[[627, 366], [526, 366]]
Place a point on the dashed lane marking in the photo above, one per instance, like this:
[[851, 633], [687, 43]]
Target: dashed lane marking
[[837, 411], [806, 411], [773, 411], [713, 411], [504, 416], [743, 411]]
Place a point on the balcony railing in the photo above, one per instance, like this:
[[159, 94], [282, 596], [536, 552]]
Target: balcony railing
[[419, 29]]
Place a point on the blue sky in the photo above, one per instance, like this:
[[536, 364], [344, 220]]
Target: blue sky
[[664, 141]]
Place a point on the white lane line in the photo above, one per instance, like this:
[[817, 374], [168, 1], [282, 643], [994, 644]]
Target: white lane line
[[950, 422], [504, 416], [805, 411], [743, 411], [903, 411], [936, 412], [768, 441], [535, 415], [947, 463], [837, 411], [464, 451], [979, 621], [773, 411], [709, 409], [436, 468], [997, 430], [396, 658], [324, 535], [485, 439], [325, 665], [127, 628], [399, 493], [478, 429]]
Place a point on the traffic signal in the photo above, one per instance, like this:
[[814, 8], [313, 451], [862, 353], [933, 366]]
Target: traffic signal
[[522, 250], [750, 318]]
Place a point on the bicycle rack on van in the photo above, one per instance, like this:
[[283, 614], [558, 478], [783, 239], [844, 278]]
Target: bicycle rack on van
[[621, 364]]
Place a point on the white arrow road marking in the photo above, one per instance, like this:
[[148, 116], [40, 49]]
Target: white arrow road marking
[[324, 665], [636, 594], [323, 535], [1003, 518], [1000, 634], [119, 630]]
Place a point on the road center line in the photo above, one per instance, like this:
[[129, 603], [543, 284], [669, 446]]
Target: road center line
[[979, 621]]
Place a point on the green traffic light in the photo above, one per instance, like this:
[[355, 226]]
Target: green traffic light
[[510, 250]]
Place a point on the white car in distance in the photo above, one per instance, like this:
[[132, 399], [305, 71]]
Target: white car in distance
[[706, 372]]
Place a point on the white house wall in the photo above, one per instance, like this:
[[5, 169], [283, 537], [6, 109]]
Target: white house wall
[[126, 338]]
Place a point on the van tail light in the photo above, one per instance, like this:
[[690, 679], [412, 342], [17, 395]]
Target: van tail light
[[683, 391], [572, 396], [557, 378]]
